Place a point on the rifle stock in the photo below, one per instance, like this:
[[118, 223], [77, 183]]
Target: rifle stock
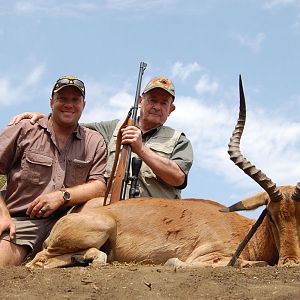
[[120, 172], [118, 184]]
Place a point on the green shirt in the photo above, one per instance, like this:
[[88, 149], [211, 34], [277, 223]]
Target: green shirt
[[182, 154]]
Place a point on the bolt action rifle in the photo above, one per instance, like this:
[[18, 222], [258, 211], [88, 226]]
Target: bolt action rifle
[[117, 184]]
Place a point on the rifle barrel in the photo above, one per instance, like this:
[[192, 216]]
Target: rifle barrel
[[138, 92], [134, 119]]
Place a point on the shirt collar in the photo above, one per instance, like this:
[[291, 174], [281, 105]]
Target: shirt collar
[[149, 132], [147, 135], [46, 123]]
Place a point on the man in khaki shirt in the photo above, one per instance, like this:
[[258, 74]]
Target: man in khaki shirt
[[50, 167]]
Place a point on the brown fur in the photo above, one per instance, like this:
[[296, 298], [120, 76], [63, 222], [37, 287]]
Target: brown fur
[[190, 232]]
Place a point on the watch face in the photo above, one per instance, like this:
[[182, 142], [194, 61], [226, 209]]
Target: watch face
[[66, 195]]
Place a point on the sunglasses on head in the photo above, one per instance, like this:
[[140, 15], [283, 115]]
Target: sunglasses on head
[[69, 81]]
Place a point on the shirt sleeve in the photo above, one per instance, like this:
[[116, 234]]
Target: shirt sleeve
[[9, 138], [183, 157], [183, 154], [105, 128], [98, 167]]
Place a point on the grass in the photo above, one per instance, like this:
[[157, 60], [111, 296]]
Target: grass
[[2, 180]]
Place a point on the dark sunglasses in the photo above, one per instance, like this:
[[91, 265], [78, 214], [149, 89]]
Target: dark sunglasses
[[68, 81]]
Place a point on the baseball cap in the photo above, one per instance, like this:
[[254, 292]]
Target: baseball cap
[[69, 80], [160, 82]]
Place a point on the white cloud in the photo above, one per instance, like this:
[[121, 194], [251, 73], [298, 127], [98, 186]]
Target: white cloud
[[9, 93], [53, 7], [273, 3], [27, 6], [253, 43], [138, 4], [12, 91], [269, 142], [95, 91], [184, 71], [101, 113], [108, 107], [292, 5], [118, 97], [296, 24], [204, 85], [35, 75], [107, 101], [122, 100], [77, 8]]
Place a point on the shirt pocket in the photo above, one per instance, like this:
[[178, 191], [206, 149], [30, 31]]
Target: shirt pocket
[[77, 171], [163, 150], [37, 168]]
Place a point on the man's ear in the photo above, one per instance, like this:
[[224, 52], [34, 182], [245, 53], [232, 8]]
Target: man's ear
[[172, 108], [51, 102], [140, 101]]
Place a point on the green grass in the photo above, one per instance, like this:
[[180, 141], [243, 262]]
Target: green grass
[[2, 180]]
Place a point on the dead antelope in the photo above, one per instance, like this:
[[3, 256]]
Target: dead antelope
[[190, 232]]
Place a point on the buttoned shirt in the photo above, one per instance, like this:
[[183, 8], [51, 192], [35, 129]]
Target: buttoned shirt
[[34, 164]]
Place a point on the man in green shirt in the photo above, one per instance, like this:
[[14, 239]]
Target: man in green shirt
[[166, 153]]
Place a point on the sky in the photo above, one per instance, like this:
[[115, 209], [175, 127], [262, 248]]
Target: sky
[[201, 45]]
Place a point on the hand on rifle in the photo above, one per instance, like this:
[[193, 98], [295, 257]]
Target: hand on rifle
[[162, 167], [131, 135]]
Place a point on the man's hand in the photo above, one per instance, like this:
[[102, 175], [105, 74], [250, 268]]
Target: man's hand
[[164, 168], [132, 136], [45, 205], [7, 224], [33, 116]]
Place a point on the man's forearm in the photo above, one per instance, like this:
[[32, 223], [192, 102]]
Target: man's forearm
[[162, 167], [82, 193], [46, 204], [3, 208]]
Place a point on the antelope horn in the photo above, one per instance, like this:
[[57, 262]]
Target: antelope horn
[[296, 193], [239, 160]]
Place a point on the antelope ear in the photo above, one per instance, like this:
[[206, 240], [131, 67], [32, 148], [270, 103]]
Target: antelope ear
[[250, 203]]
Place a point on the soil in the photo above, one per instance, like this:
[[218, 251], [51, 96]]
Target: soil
[[136, 281]]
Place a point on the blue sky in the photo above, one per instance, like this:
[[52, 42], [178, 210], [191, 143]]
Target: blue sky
[[202, 46]]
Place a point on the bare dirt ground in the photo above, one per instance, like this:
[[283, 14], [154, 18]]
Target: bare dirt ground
[[135, 281]]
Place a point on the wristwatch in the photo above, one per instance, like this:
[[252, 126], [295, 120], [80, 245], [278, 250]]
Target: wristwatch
[[66, 196]]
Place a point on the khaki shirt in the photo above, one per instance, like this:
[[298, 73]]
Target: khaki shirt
[[35, 165], [180, 152]]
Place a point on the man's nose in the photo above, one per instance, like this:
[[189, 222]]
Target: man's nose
[[68, 102], [156, 105]]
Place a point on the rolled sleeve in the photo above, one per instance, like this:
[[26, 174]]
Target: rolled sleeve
[[98, 167], [183, 154]]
